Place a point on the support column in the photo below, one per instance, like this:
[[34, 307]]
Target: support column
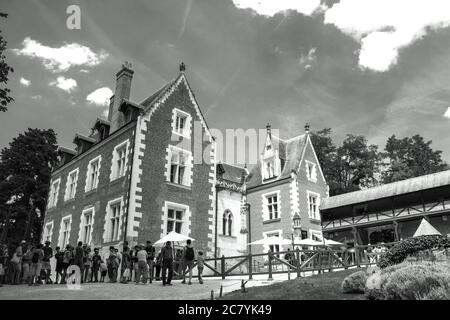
[[397, 237]]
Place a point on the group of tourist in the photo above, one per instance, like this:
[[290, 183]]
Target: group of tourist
[[31, 264]]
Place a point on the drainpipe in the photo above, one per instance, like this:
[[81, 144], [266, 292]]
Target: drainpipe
[[215, 226], [130, 181]]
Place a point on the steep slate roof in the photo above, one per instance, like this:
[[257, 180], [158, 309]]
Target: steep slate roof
[[290, 152], [428, 181], [232, 173]]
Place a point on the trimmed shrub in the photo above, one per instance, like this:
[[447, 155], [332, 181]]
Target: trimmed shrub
[[410, 281], [399, 252], [355, 283]]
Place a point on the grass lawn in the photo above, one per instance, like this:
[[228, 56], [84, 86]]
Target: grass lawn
[[319, 287]]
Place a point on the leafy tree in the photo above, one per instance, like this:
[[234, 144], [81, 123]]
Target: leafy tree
[[5, 98], [25, 170], [410, 157], [349, 167]]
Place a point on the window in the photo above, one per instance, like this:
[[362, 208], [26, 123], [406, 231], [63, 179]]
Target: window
[[313, 206], [93, 174], [179, 167], [274, 247], [269, 170], [87, 222], [316, 236], [65, 231], [181, 122], [114, 221], [304, 234], [272, 206], [54, 192], [48, 232], [119, 161], [174, 220], [311, 173], [227, 223], [71, 186]]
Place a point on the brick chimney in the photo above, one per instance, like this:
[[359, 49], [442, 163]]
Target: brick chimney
[[123, 88]]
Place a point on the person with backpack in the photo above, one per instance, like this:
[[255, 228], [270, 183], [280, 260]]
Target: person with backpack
[[36, 265], [67, 261], [150, 257], [48, 253], [59, 257], [188, 261], [16, 263]]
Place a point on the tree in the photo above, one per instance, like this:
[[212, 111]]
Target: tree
[[351, 166], [410, 157], [5, 98], [25, 171]]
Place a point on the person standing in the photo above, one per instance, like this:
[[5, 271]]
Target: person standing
[[36, 265], [48, 253], [16, 263], [26, 263], [167, 263], [177, 264], [157, 266], [79, 256], [188, 261], [142, 266], [200, 266], [59, 257], [4, 256], [134, 262], [67, 260], [126, 264], [150, 257], [96, 262], [113, 264], [87, 263]]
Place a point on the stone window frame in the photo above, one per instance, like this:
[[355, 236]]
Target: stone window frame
[[81, 233], [114, 167], [54, 193], [187, 132], [67, 195], [61, 244], [87, 186], [316, 215]]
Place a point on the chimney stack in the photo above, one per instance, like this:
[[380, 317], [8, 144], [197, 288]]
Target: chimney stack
[[123, 88]]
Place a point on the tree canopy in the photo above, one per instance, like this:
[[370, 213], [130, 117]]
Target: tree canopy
[[25, 172], [5, 69]]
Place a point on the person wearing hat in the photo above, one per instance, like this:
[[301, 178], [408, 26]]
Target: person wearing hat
[[48, 253], [68, 257], [59, 257]]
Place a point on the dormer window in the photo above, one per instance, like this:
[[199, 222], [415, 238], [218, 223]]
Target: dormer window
[[181, 123], [270, 173], [311, 171]]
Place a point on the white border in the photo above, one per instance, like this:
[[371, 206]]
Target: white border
[[265, 210], [186, 227], [80, 231], [66, 194], [112, 175], [317, 195], [88, 173], [69, 216], [106, 227], [53, 202], [50, 235]]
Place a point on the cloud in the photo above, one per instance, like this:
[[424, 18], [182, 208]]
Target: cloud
[[271, 7], [25, 82], [66, 84], [447, 113], [100, 97], [62, 58], [383, 27]]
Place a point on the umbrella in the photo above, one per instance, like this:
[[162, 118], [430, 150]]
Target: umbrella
[[329, 242], [272, 240], [308, 242], [173, 237], [426, 229]]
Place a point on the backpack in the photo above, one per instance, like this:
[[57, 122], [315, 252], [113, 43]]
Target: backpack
[[189, 255], [35, 258]]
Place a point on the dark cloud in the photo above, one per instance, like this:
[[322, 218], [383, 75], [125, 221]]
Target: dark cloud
[[246, 69]]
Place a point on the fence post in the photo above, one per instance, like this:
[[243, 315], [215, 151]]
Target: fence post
[[250, 267], [297, 253], [223, 266], [270, 265], [212, 294], [221, 290], [330, 262], [357, 255]]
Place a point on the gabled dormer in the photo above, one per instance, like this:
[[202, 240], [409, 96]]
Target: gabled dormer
[[102, 128], [83, 143], [130, 110], [65, 155], [271, 164]]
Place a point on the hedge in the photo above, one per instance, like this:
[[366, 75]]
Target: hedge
[[399, 252]]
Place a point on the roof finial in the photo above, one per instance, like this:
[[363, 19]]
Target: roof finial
[[268, 127], [182, 67], [307, 127]]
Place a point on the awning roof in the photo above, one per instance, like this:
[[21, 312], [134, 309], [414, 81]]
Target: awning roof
[[429, 181]]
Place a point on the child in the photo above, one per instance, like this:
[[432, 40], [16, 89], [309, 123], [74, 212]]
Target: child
[[200, 265], [104, 271]]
